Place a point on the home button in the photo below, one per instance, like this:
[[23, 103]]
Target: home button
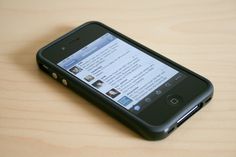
[[174, 100]]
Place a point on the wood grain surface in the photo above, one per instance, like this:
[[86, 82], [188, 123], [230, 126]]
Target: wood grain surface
[[41, 118]]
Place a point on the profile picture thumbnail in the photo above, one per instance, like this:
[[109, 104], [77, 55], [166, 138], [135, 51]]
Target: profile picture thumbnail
[[113, 93], [89, 78], [97, 84], [75, 70]]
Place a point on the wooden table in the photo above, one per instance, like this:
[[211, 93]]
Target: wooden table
[[39, 117]]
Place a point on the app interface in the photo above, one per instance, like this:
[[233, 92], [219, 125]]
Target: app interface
[[121, 72]]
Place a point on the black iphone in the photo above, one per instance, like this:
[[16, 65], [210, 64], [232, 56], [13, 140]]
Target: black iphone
[[146, 91]]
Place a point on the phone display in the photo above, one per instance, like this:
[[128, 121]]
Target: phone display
[[122, 72]]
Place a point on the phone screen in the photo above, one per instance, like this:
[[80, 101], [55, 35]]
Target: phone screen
[[128, 76]]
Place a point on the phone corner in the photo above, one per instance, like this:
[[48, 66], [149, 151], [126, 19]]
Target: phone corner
[[39, 54], [92, 22], [155, 136], [210, 88], [155, 133]]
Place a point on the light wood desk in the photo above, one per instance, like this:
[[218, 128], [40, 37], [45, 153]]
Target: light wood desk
[[39, 117]]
